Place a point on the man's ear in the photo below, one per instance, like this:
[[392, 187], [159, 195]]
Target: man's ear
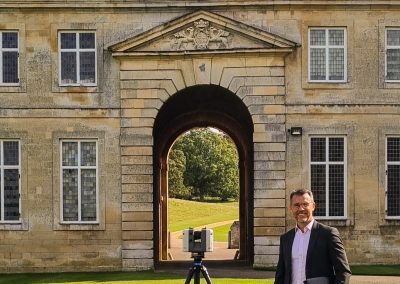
[[314, 205]]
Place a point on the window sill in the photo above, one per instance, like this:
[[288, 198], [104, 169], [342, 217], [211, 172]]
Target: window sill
[[12, 89], [391, 85], [327, 85], [76, 89], [390, 222], [20, 226], [79, 227]]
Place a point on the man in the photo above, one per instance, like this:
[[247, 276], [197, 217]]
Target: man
[[310, 251]]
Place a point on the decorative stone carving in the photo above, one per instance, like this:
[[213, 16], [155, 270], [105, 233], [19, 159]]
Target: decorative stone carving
[[201, 35]]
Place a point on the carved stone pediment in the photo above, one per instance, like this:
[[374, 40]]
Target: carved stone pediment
[[203, 32]]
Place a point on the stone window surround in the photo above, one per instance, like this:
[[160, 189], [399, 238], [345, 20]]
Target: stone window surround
[[59, 136], [383, 134], [21, 86], [347, 132], [383, 25], [23, 224], [330, 23], [55, 29]]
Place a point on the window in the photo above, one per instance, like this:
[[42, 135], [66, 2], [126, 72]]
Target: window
[[328, 176], [77, 58], [79, 182], [393, 177], [9, 181], [392, 59], [327, 55], [9, 58]]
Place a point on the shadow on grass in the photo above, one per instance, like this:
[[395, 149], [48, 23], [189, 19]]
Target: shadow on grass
[[92, 277]]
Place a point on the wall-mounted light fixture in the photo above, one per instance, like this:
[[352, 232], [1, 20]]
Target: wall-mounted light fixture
[[296, 131]]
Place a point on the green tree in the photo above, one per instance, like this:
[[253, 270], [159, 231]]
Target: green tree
[[177, 166], [211, 164]]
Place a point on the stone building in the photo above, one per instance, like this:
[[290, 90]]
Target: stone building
[[93, 93]]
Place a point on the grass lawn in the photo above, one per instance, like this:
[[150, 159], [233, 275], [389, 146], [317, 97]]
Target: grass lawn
[[147, 277], [183, 214], [387, 270], [221, 233]]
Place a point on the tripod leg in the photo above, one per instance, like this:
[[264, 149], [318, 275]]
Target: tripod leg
[[197, 275], [190, 275], [205, 274]]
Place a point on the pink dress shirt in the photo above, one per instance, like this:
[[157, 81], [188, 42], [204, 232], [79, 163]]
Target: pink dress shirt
[[299, 253]]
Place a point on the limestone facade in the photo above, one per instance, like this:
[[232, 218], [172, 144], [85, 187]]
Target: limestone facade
[[146, 52]]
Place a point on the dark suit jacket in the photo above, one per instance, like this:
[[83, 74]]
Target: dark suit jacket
[[326, 256]]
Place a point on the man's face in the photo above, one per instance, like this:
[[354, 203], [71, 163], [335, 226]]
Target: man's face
[[302, 207]]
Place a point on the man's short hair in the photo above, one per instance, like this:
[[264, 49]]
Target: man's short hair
[[300, 192]]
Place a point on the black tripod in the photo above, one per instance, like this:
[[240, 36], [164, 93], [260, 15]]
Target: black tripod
[[197, 266]]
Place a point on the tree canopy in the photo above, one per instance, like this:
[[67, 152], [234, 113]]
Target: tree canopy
[[203, 163]]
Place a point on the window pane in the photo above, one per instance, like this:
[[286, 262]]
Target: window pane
[[336, 37], [88, 154], [11, 194], [10, 67], [86, 40], [68, 68], [336, 64], [318, 185], [336, 149], [70, 194], [88, 194], [11, 153], [318, 66], [317, 37], [68, 40], [87, 67], [336, 190], [317, 149], [393, 64], [393, 149], [10, 40], [70, 154], [393, 190], [393, 37]]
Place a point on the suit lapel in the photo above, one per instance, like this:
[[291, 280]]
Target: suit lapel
[[313, 239], [289, 245]]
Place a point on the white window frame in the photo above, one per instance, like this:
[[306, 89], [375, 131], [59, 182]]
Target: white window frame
[[79, 167], [2, 168], [386, 177], [77, 50], [327, 47], [327, 163], [386, 49], [1, 57]]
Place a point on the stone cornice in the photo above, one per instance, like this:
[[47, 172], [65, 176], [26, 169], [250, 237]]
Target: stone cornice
[[192, 3]]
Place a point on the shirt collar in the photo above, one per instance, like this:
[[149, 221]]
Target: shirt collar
[[307, 228]]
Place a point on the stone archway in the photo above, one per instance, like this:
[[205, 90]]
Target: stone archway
[[247, 68], [200, 106]]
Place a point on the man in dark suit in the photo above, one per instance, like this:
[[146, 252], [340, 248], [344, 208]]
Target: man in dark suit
[[310, 251]]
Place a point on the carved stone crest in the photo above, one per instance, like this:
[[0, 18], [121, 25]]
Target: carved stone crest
[[201, 35]]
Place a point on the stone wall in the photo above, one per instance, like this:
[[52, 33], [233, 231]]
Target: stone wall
[[120, 113]]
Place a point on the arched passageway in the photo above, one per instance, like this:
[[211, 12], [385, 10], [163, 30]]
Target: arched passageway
[[202, 106]]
